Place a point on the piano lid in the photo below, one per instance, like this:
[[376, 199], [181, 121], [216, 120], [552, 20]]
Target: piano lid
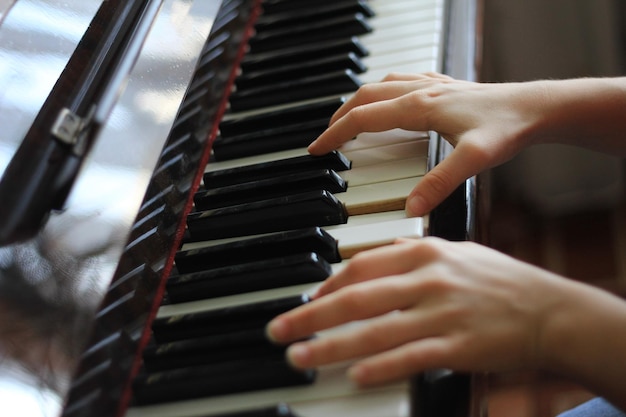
[[51, 285]]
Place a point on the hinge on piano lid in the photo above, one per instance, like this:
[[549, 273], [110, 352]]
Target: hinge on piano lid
[[71, 129]]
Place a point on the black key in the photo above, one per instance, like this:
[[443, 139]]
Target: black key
[[281, 138], [344, 26], [218, 379], [250, 192], [279, 6], [246, 277], [315, 86], [302, 53], [280, 410], [223, 320], [297, 70], [271, 120], [317, 12], [315, 208], [210, 349], [271, 131], [259, 248], [334, 160]]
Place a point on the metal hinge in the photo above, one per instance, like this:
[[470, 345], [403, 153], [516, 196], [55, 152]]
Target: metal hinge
[[69, 128]]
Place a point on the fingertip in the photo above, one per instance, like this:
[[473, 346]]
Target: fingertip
[[313, 148], [277, 330], [358, 375], [416, 206], [299, 355]]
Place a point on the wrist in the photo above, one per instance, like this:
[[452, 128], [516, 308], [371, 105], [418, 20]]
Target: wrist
[[584, 338]]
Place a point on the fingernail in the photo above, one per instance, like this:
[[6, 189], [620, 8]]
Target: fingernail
[[299, 355], [276, 330], [415, 206], [356, 374]]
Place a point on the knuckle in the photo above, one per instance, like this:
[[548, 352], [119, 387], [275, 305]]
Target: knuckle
[[354, 298], [365, 93], [357, 117], [481, 155], [326, 350]]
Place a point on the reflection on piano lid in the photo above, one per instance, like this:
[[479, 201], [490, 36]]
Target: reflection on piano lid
[[42, 172], [53, 284]]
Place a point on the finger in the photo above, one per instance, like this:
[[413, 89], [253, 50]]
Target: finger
[[392, 86], [403, 362], [372, 117], [464, 162], [403, 256], [396, 76], [366, 338], [356, 302], [375, 92]]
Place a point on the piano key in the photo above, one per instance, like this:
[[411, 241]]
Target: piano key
[[167, 310], [256, 171], [330, 387], [281, 6], [380, 187], [385, 171], [259, 248], [331, 395], [306, 14], [217, 379], [373, 188], [337, 82], [399, 26], [368, 170], [252, 191], [210, 349], [294, 71], [280, 410], [378, 226], [260, 142], [363, 141], [314, 208], [378, 197], [291, 115], [272, 131], [355, 159], [333, 28], [302, 53], [224, 320], [279, 271]]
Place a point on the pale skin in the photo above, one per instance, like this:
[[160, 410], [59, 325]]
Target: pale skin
[[459, 305]]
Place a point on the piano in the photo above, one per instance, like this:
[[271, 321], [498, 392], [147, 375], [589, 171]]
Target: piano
[[196, 214]]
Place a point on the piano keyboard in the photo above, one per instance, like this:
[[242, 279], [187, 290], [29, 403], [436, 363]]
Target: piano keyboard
[[400, 36]]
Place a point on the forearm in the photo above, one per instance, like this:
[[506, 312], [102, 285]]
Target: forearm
[[587, 112], [586, 341]]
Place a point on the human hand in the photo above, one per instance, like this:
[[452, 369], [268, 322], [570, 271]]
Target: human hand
[[430, 304], [485, 122]]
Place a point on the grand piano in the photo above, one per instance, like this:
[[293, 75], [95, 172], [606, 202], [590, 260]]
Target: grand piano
[[192, 214]]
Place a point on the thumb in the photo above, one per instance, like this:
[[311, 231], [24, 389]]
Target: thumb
[[441, 181]]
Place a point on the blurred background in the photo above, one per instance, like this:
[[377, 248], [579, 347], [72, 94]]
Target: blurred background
[[555, 206]]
